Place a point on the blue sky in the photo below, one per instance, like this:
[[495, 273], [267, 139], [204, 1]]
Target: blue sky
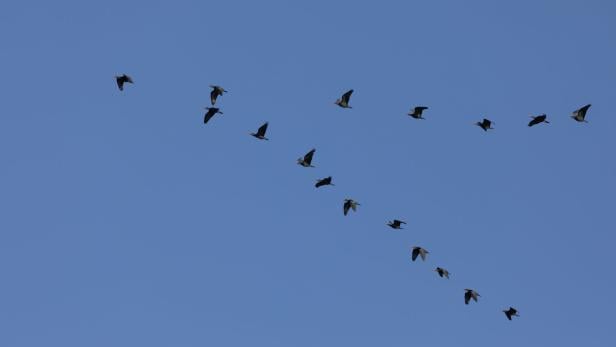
[[128, 222]]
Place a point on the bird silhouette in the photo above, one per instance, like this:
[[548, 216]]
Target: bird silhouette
[[306, 161], [350, 204], [580, 114], [327, 181], [417, 112], [418, 251], [124, 78], [216, 92], [344, 99], [260, 134], [511, 312], [211, 111], [485, 124], [538, 119], [442, 272], [470, 294], [396, 224]]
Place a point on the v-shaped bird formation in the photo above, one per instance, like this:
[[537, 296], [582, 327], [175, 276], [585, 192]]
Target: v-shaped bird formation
[[349, 205]]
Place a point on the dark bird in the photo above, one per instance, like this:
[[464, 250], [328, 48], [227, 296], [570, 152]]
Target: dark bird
[[470, 294], [215, 93], [344, 100], [538, 119], [350, 204], [260, 134], [211, 111], [327, 181], [580, 114], [417, 112], [306, 161], [442, 272], [124, 78], [485, 124], [418, 251], [511, 312], [396, 224]]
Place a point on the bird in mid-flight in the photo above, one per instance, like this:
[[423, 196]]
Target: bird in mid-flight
[[418, 251], [344, 99], [470, 294], [511, 312], [417, 112], [327, 181], [580, 114], [396, 224], [442, 272], [485, 124], [306, 160], [349, 204], [260, 134], [542, 118], [124, 78], [211, 111], [216, 92]]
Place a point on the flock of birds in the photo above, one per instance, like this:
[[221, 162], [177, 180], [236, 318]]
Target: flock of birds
[[578, 115]]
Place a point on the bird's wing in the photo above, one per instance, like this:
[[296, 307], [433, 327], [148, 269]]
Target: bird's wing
[[213, 96], [347, 96], [423, 254], [414, 254], [347, 205], [308, 157], [120, 83], [208, 115], [262, 129], [467, 297], [128, 79]]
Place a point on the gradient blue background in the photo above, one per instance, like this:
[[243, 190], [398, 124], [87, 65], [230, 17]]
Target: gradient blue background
[[125, 221]]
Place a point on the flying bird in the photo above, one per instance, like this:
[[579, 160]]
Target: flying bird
[[485, 124], [538, 119], [418, 251], [350, 204], [306, 161], [260, 134], [470, 294], [442, 272], [511, 312], [124, 78], [580, 114], [211, 111], [344, 99], [417, 112], [215, 93], [396, 224], [327, 181]]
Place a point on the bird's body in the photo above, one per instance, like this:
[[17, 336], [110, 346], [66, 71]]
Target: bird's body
[[260, 134], [485, 124], [442, 272], [511, 312], [124, 78], [417, 112], [470, 294], [344, 99], [396, 224], [215, 93], [349, 204], [306, 160], [542, 118], [211, 111], [580, 114], [418, 251], [327, 181]]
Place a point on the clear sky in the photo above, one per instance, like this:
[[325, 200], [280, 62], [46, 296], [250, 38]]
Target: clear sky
[[125, 221]]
